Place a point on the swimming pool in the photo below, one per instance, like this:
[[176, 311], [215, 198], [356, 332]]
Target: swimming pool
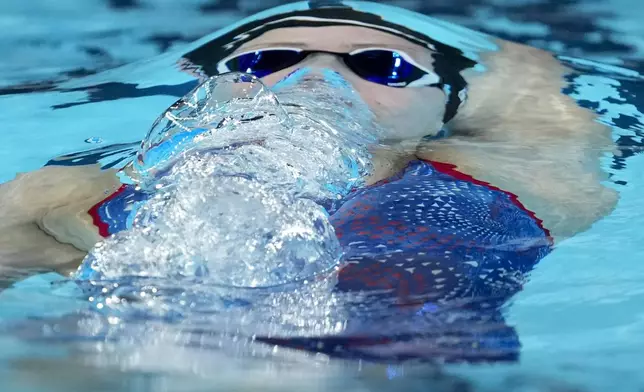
[[578, 316]]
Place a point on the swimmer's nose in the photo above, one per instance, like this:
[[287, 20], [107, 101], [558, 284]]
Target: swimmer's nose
[[320, 67], [312, 75], [325, 61], [314, 79]]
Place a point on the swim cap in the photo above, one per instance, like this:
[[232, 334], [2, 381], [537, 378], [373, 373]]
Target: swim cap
[[454, 48]]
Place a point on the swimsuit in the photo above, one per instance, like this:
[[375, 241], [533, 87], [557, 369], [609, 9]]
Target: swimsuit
[[426, 238]]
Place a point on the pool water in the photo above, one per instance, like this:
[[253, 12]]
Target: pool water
[[579, 317]]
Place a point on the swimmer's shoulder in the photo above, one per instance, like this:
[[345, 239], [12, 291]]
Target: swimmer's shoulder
[[44, 214], [517, 97], [520, 132]]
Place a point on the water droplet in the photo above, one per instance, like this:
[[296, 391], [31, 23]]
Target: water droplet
[[94, 140]]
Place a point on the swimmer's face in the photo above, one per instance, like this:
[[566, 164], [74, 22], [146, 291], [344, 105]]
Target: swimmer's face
[[408, 113]]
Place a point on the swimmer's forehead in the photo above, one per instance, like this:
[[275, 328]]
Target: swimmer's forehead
[[333, 39]]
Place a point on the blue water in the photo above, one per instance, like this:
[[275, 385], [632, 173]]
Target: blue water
[[580, 316]]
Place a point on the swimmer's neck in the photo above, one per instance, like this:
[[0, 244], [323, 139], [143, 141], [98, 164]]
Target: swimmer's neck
[[390, 158]]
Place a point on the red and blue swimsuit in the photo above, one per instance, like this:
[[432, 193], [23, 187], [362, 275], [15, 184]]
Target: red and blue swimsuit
[[426, 238]]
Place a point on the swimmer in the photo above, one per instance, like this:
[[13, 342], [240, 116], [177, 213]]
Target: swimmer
[[488, 126]]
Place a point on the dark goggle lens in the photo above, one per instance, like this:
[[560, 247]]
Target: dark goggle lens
[[265, 62], [384, 67]]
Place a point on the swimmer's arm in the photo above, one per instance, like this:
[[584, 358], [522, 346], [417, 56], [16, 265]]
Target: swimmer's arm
[[43, 214], [44, 221], [521, 134]]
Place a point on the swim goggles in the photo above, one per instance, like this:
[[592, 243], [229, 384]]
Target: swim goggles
[[378, 65]]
